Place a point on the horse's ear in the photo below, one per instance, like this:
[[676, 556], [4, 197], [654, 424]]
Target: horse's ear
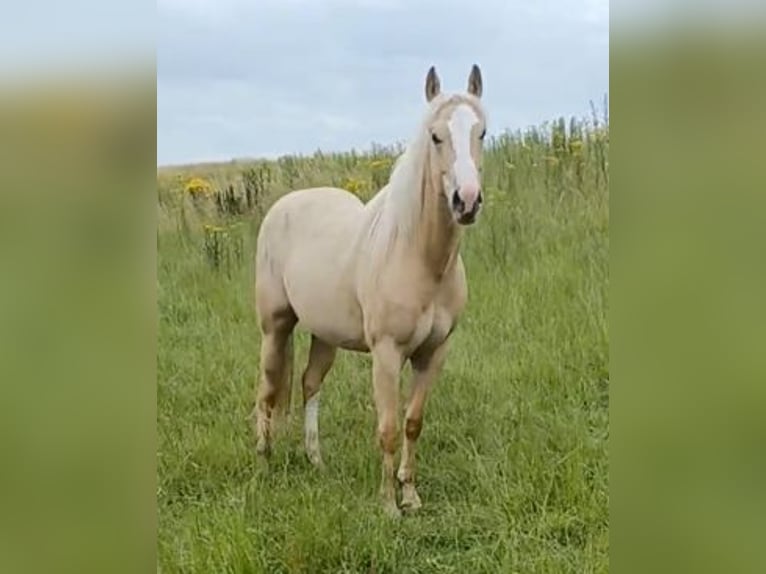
[[474, 82], [433, 86]]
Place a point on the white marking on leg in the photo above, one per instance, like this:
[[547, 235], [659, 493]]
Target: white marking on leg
[[312, 429]]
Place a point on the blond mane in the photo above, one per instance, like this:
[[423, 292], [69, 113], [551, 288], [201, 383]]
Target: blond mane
[[396, 208]]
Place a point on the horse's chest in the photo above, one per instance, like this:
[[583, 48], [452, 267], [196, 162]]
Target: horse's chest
[[412, 318], [432, 328]]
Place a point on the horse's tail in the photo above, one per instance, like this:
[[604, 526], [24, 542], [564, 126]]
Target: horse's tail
[[284, 396]]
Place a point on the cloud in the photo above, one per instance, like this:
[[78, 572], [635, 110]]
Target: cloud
[[238, 78]]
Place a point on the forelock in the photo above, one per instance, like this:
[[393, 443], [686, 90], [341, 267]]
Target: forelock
[[447, 103]]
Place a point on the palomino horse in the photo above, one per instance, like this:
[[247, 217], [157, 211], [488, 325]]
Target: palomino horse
[[385, 278]]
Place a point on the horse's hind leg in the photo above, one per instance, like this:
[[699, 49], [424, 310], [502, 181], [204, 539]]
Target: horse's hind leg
[[275, 372], [321, 357]]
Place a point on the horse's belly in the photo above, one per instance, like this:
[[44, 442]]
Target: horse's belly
[[345, 332], [327, 309]]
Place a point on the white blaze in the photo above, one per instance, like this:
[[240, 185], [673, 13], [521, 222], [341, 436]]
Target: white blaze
[[460, 126]]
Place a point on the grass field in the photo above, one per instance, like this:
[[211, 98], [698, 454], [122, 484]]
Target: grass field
[[512, 462]]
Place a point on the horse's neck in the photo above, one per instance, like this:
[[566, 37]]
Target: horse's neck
[[430, 239], [438, 236]]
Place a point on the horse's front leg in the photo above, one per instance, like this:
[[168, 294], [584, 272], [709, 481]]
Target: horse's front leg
[[387, 362], [426, 366]]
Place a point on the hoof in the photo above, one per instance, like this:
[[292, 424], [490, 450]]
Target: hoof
[[410, 499], [316, 461], [263, 449], [391, 510], [261, 467]]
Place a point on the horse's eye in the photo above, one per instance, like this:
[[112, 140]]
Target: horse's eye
[[435, 139], [483, 133]]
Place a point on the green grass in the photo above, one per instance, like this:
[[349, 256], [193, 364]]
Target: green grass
[[512, 463]]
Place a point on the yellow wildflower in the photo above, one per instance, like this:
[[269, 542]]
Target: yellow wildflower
[[197, 186], [380, 163], [355, 186]]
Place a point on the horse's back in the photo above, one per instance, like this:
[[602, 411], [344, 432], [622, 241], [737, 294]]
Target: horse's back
[[320, 213], [310, 204], [333, 196]]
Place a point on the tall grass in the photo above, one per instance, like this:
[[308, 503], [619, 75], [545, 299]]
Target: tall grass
[[512, 462]]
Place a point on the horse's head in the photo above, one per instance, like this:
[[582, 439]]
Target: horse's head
[[456, 129]]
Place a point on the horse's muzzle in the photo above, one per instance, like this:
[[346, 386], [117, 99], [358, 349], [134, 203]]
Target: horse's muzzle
[[464, 215]]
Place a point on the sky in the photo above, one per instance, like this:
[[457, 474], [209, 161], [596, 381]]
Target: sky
[[39, 38], [263, 78]]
